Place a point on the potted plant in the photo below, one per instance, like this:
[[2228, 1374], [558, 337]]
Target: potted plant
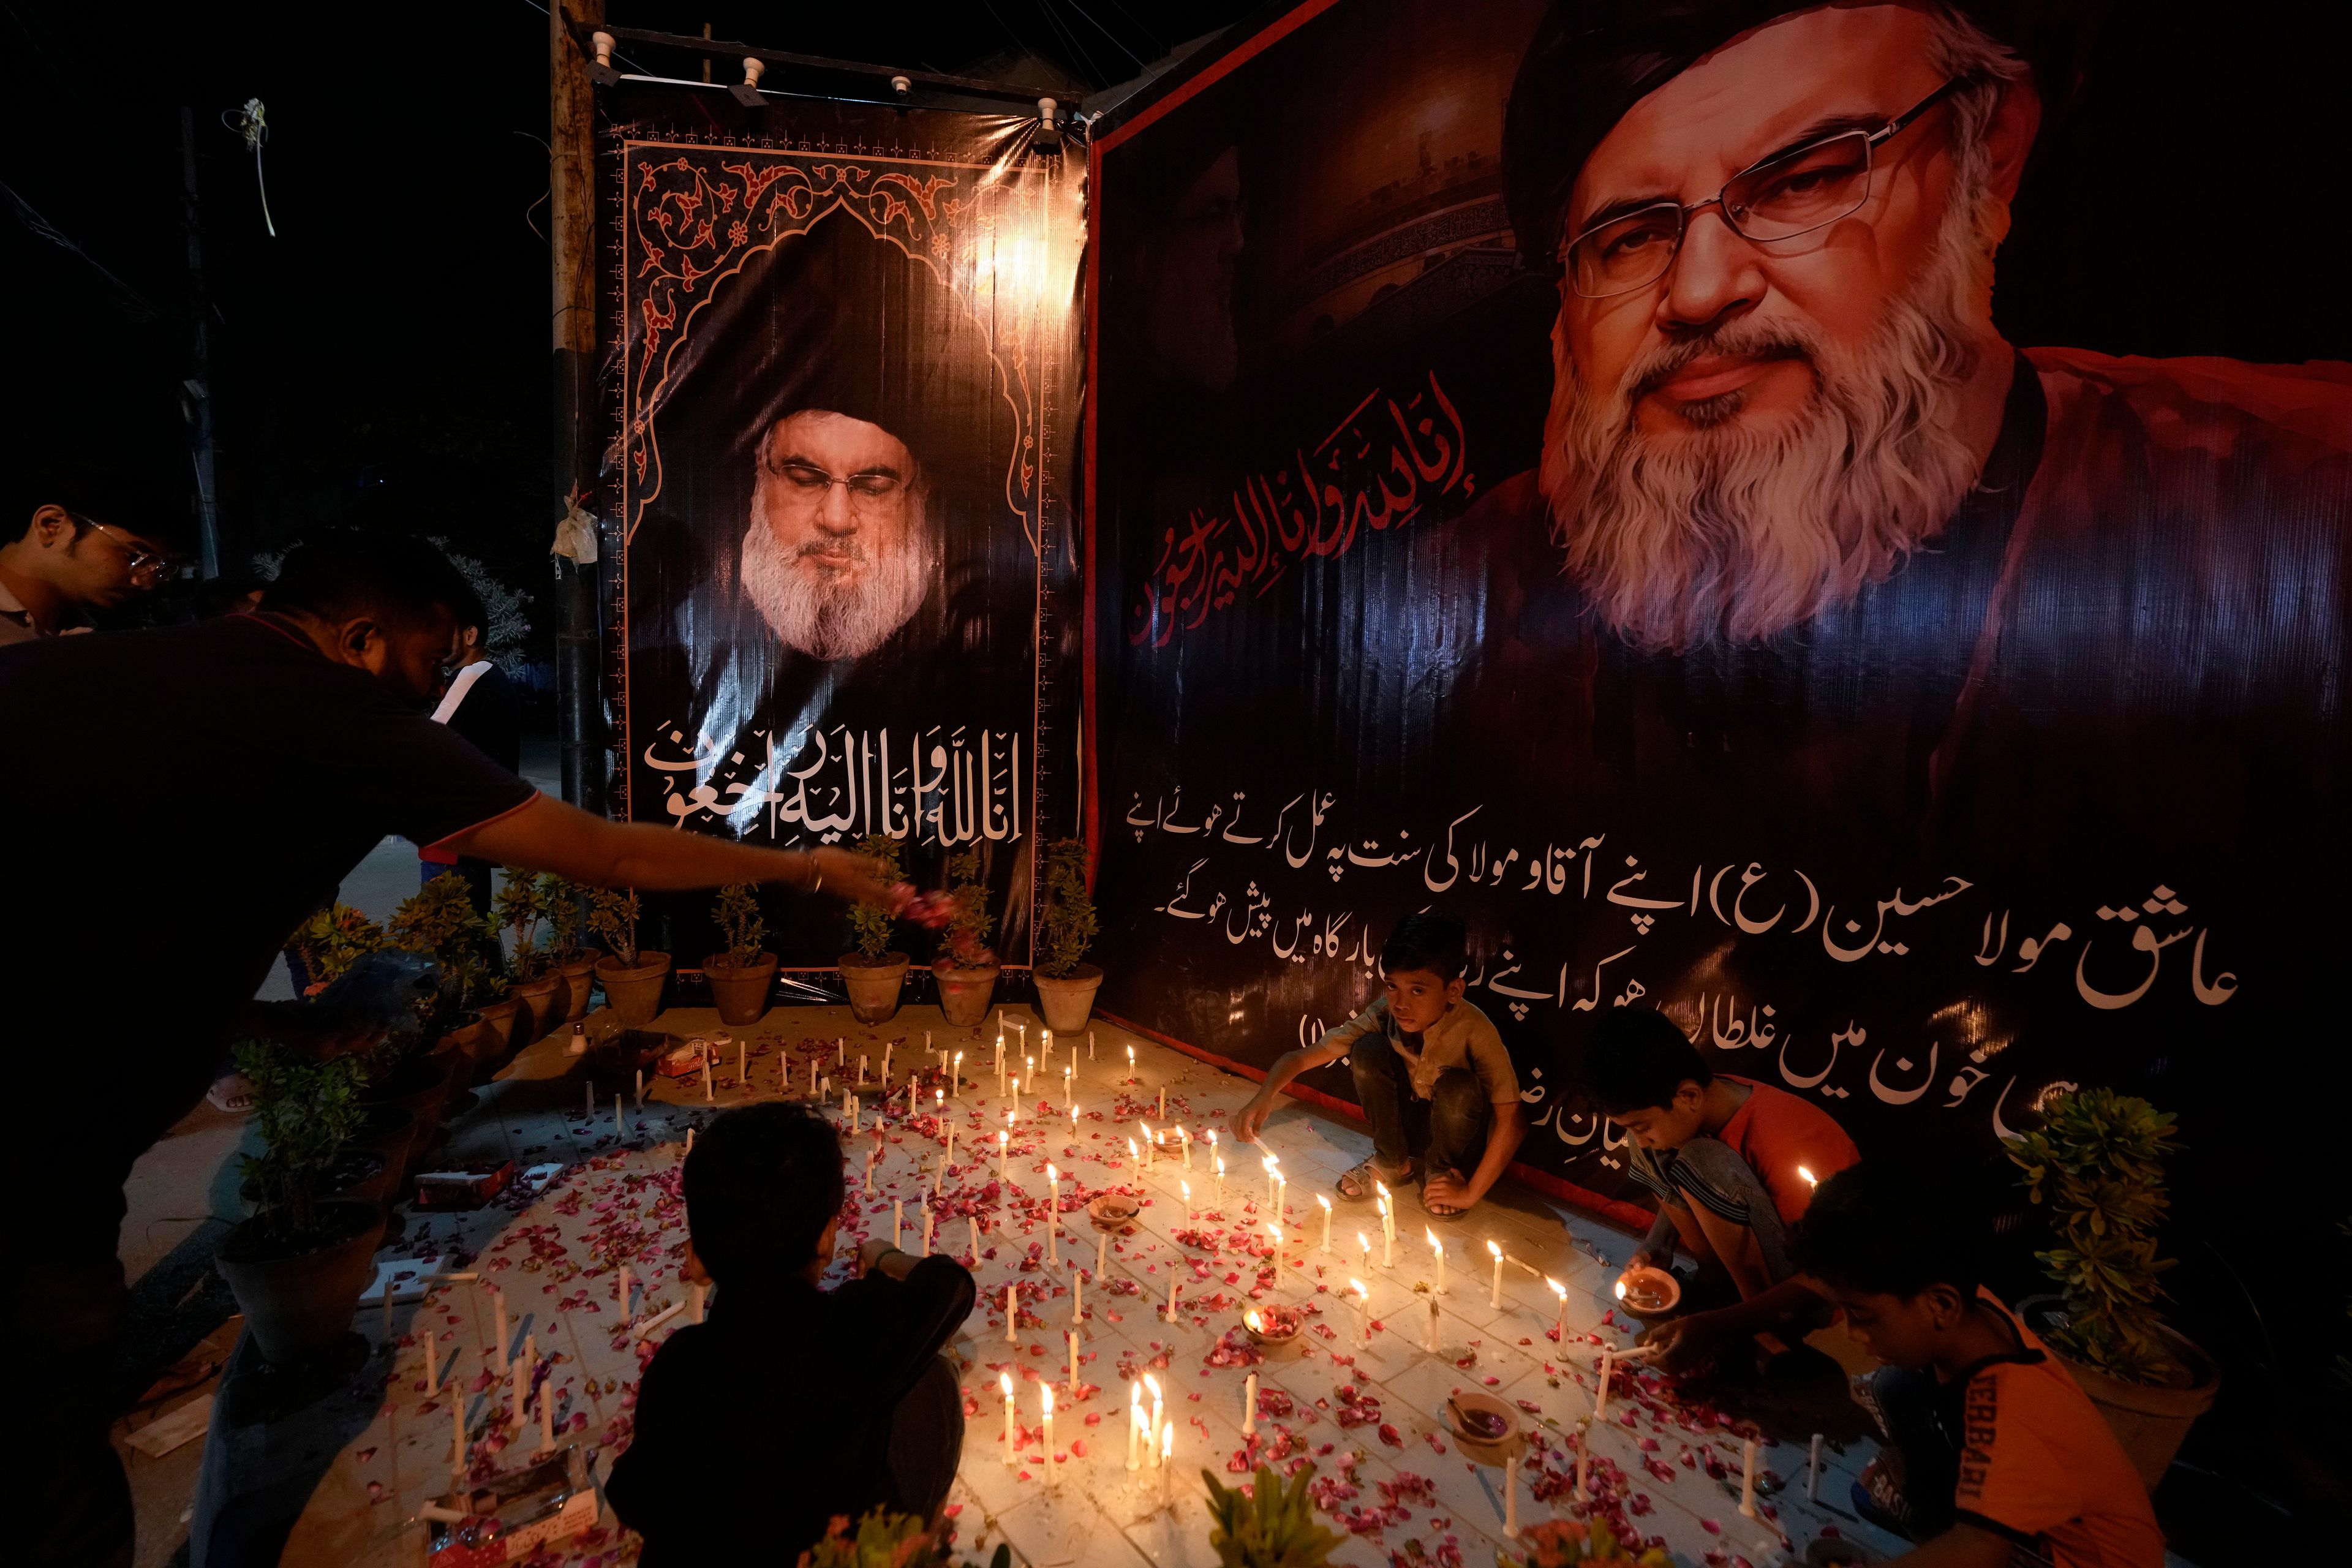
[[331, 941], [739, 976], [440, 922], [563, 900], [632, 979], [2098, 1160], [966, 969], [297, 1266], [518, 909], [1574, 1543], [1066, 987], [872, 971], [1271, 1525]]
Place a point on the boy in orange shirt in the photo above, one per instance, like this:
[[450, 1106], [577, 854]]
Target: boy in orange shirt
[[1993, 1455], [1733, 1163]]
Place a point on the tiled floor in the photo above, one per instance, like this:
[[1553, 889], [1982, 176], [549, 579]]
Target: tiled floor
[[1393, 1478]]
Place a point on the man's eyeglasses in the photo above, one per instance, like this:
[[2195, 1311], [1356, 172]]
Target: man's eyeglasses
[[1785, 195], [867, 491], [146, 567]]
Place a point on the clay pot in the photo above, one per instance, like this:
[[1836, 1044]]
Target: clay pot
[[1067, 1002], [359, 1176], [579, 977], [544, 1000], [506, 1020], [740, 991], [965, 993], [299, 1306], [389, 1132], [634, 990], [874, 984], [2150, 1420], [419, 1089]]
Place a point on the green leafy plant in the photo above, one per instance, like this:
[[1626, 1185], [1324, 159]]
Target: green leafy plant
[[613, 915], [1269, 1526], [1573, 1543], [2098, 1160], [439, 921], [560, 899], [517, 908], [307, 1109], [969, 921], [331, 941], [871, 923], [1067, 929], [889, 1541], [737, 914]]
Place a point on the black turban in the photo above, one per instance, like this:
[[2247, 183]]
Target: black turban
[[1591, 60]]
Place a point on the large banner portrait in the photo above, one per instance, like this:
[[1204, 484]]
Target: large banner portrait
[[1626, 472], [846, 374]]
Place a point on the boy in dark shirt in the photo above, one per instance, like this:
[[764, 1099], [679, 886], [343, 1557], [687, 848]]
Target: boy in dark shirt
[[791, 1403], [1993, 1456]]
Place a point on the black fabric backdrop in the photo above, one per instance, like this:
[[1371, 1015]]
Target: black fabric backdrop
[[2053, 804], [913, 270]]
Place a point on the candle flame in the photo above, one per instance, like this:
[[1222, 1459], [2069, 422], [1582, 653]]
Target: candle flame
[[1324, 1201], [1052, 1175], [1620, 1289], [1276, 1231], [1167, 1440], [1363, 1243], [1256, 1324], [1132, 1151], [1490, 1246], [1358, 1287], [1213, 1137], [1221, 1164], [1153, 1384], [1381, 1187], [1002, 1137], [1046, 1389], [1557, 1288], [1810, 1180], [1004, 1381], [1188, 1192], [1434, 1245], [1135, 1398]]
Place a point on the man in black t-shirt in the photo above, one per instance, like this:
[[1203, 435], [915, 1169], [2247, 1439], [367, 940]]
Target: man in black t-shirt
[[294, 738], [792, 1403]]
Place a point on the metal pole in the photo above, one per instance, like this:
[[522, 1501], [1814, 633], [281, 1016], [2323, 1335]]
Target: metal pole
[[198, 386]]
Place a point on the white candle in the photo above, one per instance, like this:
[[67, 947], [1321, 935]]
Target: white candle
[[1268, 1163], [1130, 1064], [1102, 1254], [812, 1077], [972, 1226], [1167, 1458], [1146, 1143], [1045, 1403], [1011, 1456], [1747, 1479], [1077, 1296], [1074, 1364], [547, 1418], [1600, 1400], [839, 1046], [1011, 1315], [1090, 1045], [898, 1213], [1152, 1383], [1003, 1145], [949, 1158], [1188, 1200], [707, 1093], [1163, 1102], [1274, 1231], [1249, 1406], [1219, 1162], [1363, 1252], [1074, 1118], [861, 1069], [641, 1087], [1437, 1252], [1327, 1221], [955, 1079], [1134, 1421], [1429, 1337], [457, 1432], [885, 1062], [1583, 1458], [1813, 1471], [1363, 1310], [1560, 1325], [1511, 1495], [1173, 1281], [1495, 1297], [743, 1065], [1053, 1217], [624, 1292], [871, 1155], [1388, 1225], [1023, 1026], [929, 1214]]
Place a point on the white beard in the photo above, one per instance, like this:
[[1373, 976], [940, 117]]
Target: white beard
[[828, 619], [1724, 532]]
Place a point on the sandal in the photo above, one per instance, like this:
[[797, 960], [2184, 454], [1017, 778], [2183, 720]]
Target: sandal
[[1362, 1177]]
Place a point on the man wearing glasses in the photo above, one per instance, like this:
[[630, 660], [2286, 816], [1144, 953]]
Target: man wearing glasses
[[838, 553], [1779, 388], [70, 563]]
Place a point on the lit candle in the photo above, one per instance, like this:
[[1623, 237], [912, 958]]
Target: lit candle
[[955, 1079], [1073, 1117], [1004, 1381], [1560, 1325], [1810, 1180], [1437, 1252], [885, 1062], [1130, 1064], [1268, 1163], [1388, 1224], [1012, 1314], [1495, 1297], [1188, 1202], [1074, 1364], [1429, 1337], [1167, 1458], [1013, 1104], [1220, 1162], [1023, 1026], [1274, 1231], [1813, 1471], [1187, 1138], [1134, 1421], [1326, 1222], [1053, 1217], [1003, 1143], [1747, 1479], [1363, 1310], [1363, 1252], [1047, 1050], [1152, 1383], [1045, 1403], [1146, 1143], [1174, 1281], [1281, 1192]]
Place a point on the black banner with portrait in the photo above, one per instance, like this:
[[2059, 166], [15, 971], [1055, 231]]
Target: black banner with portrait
[[1597, 469], [846, 362]]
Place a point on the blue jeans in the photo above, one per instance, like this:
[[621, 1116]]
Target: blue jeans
[[1447, 1131]]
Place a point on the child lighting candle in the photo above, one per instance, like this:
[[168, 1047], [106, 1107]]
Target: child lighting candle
[[1437, 1252], [1045, 1404], [1249, 1406], [1326, 1222], [1747, 1479], [1495, 1297], [1004, 1382]]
